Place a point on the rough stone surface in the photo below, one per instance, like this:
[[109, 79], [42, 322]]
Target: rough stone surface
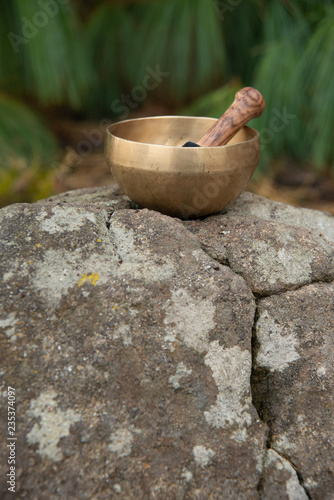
[[294, 381], [280, 480], [159, 359], [272, 256], [249, 204]]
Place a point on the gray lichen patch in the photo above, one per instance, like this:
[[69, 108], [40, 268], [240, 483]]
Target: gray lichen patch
[[187, 475], [181, 372], [53, 425], [189, 318], [9, 324], [121, 442], [123, 332], [203, 455], [281, 264], [280, 479], [12, 266], [61, 219], [138, 261], [231, 369], [60, 270], [278, 343]]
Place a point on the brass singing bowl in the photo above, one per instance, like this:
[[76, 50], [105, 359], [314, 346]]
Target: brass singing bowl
[[147, 160]]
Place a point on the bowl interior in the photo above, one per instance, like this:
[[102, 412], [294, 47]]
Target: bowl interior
[[169, 130]]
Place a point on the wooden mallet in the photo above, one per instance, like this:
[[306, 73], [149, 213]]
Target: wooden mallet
[[248, 104]]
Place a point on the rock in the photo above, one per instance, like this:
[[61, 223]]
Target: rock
[[130, 353], [249, 204], [269, 256], [142, 350], [280, 479], [293, 381], [110, 197]]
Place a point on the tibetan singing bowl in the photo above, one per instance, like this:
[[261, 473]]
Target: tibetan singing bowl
[[151, 166]]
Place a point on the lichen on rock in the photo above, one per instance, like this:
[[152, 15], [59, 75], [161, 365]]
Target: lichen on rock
[[155, 358]]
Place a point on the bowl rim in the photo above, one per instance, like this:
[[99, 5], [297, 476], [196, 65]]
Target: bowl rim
[[228, 145]]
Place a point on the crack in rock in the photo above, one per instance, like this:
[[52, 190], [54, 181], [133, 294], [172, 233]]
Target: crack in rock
[[280, 478], [183, 383], [290, 348]]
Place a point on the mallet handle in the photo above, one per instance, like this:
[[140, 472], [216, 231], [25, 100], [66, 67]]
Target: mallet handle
[[248, 103]]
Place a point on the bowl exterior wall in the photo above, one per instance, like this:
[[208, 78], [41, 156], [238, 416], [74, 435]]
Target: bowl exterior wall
[[181, 182]]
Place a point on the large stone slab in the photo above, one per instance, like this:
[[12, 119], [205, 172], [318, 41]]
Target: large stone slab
[[130, 353], [158, 359], [252, 205], [293, 384], [271, 255], [280, 479]]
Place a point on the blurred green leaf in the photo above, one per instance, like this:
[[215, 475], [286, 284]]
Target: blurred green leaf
[[215, 103], [27, 150], [281, 125], [107, 34], [316, 71], [242, 32], [24, 138], [185, 40], [43, 53], [95, 59]]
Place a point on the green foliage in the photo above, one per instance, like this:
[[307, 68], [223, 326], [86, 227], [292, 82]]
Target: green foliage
[[26, 146], [214, 103], [88, 56], [185, 39], [21, 184], [316, 72], [295, 74], [242, 32], [284, 38], [43, 53], [43, 60], [108, 33], [24, 138]]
